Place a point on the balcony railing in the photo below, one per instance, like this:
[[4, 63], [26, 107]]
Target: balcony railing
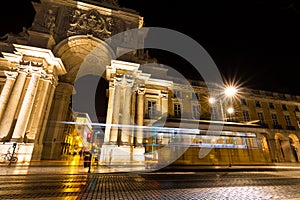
[[277, 126], [290, 127]]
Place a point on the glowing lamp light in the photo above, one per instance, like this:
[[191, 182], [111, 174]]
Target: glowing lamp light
[[212, 100], [230, 91], [230, 110]]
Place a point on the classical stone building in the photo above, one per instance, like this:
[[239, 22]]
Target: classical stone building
[[144, 114]]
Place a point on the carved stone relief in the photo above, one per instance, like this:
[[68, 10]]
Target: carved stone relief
[[91, 22]]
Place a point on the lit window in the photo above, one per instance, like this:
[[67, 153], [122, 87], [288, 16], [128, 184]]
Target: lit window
[[213, 113], [177, 110], [151, 109], [196, 113], [261, 117], [177, 94], [288, 120], [274, 119], [246, 115]]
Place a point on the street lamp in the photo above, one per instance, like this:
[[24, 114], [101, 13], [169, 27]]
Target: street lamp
[[229, 93], [230, 110]]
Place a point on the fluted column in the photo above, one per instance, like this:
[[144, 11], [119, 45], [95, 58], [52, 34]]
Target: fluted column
[[140, 116], [49, 95], [38, 116], [11, 108], [116, 112], [126, 131], [110, 109], [7, 89], [26, 107]]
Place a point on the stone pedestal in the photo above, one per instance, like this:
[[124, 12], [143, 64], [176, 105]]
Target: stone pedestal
[[138, 155], [23, 151]]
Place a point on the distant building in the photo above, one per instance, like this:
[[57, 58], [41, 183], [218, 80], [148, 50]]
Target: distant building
[[144, 114]]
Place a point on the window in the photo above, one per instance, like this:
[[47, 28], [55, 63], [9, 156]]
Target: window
[[195, 96], [177, 110], [151, 109], [274, 119], [261, 117], [244, 102], [296, 108], [257, 104], [271, 106], [213, 111], [196, 113], [177, 94], [246, 115], [288, 120], [284, 107]]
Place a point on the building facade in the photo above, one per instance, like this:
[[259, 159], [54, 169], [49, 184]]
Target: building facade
[[149, 116]]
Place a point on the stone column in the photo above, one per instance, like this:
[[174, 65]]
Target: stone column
[[126, 131], [38, 116], [54, 133], [110, 109], [12, 105], [133, 113], [140, 116], [48, 105], [40, 132], [26, 107], [287, 151], [164, 102], [272, 149], [6, 91], [115, 115]]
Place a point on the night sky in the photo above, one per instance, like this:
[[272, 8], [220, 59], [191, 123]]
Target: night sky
[[253, 42]]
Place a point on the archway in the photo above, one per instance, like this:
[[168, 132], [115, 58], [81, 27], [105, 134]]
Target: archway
[[295, 146], [279, 142], [265, 146], [85, 58]]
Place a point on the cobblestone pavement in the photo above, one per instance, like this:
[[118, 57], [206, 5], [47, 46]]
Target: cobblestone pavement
[[154, 185]]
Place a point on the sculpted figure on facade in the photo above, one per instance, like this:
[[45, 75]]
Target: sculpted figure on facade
[[21, 37]]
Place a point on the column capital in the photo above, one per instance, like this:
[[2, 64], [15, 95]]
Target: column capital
[[11, 74], [51, 78], [23, 70], [141, 91], [111, 84], [37, 71], [164, 94]]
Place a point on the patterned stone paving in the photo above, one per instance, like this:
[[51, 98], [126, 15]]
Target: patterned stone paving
[[156, 185]]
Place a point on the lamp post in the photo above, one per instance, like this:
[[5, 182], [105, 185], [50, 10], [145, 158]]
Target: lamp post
[[225, 99], [230, 111]]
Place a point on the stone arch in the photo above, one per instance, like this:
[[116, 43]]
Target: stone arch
[[266, 146], [85, 58], [279, 145], [82, 50], [295, 146], [82, 55]]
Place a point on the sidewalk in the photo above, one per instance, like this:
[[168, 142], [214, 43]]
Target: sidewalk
[[74, 165], [67, 168], [215, 168]]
